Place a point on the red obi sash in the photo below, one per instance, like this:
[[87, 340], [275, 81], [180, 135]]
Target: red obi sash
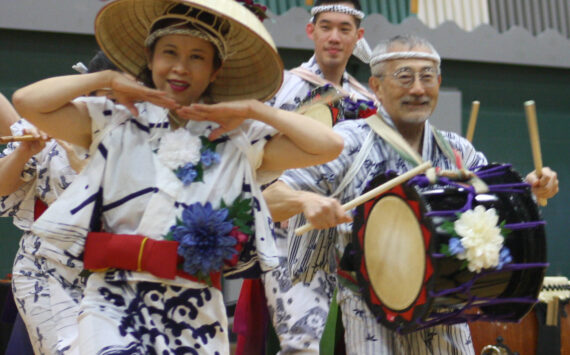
[[39, 208], [137, 253]]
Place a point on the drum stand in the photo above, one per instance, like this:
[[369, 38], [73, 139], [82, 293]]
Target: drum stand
[[498, 349]]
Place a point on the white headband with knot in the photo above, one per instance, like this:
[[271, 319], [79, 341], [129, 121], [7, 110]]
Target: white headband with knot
[[404, 55], [343, 9]]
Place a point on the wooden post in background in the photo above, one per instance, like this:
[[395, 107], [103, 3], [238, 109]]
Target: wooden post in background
[[414, 6], [472, 121]]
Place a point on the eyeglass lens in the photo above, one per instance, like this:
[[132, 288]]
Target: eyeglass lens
[[407, 76]]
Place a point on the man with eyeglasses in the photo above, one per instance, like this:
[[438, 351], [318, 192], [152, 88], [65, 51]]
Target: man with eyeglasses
[[405, 78]]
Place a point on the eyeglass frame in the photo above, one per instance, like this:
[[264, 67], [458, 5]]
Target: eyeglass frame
[[415, 74]]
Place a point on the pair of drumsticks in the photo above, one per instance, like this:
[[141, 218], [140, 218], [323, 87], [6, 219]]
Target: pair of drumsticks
[[530, 110]]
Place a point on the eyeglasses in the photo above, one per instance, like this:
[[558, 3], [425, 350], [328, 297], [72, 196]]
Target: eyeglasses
[[406, 77]]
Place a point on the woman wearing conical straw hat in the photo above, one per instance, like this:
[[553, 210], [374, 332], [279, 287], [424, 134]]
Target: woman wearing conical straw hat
[[171, 197]]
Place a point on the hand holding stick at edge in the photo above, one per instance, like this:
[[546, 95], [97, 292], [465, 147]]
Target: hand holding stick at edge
[[472, 121], [530, 110], [23, 138], [374, 192]]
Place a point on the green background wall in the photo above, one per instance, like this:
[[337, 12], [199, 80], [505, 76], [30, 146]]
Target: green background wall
[[501, 129]]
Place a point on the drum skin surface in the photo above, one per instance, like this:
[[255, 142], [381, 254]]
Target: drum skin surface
[[444, 282], [397, 266]]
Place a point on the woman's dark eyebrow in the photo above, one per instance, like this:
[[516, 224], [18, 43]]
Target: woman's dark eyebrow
[[193, 49]]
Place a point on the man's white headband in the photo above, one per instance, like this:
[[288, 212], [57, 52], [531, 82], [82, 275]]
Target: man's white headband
[[343, 9], [404, 55]]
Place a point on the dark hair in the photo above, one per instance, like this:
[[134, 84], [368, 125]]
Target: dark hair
[[355, 3], [100, 62]]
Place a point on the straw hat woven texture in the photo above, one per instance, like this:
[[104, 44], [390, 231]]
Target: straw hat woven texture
[[252, 70]]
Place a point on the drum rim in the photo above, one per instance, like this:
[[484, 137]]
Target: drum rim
[[422, 305]]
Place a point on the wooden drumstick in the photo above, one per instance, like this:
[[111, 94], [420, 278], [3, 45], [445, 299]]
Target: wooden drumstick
[[472, 120], [24, 138], [374, 192], [530, 109]]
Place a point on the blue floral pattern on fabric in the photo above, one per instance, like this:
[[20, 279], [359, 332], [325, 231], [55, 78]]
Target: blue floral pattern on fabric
[[151, 321]]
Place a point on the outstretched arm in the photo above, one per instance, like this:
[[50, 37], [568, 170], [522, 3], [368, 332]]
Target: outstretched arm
[[48, 103], [301, 142], [321, 211], [544, 187], [8, 116]]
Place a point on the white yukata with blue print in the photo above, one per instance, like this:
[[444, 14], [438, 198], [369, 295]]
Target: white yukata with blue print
[[299, 311], [315, 250], [46, 282], [127, 189]]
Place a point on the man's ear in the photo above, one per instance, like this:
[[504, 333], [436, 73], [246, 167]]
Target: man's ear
[[360, 33], [309, 29], [374, 84]]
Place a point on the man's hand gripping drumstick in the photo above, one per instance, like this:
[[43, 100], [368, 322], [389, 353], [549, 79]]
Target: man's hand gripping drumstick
[[543, 181], [365, 197]]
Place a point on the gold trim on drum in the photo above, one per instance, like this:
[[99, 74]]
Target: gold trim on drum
[[394, 253]]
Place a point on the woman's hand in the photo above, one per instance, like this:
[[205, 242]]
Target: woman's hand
[[229, 115], [30, 148], [127, 91]]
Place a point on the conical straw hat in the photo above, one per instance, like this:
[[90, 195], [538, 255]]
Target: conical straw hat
[[252, 69]]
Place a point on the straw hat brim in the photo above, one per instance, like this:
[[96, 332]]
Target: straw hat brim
[[253, 69]]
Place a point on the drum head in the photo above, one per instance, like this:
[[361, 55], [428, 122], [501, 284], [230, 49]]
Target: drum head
[[394, 253], [392, 256], [321, 113]]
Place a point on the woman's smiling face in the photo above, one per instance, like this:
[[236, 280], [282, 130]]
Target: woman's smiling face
[[183, 66]]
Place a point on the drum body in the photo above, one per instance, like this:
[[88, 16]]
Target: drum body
[[406, 280]]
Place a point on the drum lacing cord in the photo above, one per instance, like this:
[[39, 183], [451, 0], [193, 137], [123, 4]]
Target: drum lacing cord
[[435, 174]]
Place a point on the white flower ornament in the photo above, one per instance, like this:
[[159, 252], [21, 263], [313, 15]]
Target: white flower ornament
[[480, 240], [178, 148]]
